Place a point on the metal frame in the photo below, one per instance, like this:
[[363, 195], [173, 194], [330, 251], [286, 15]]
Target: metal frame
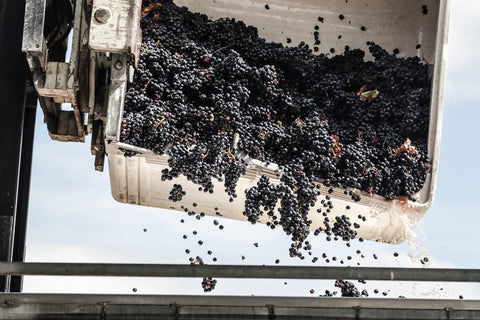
[[73, 306], [101, 29], [101, 306], [16, 138], [55, 81], [23, 195], [237, 271], [94, 306]]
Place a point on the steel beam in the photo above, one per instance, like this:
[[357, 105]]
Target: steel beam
[[236, 271], [20, 231], [13, 68], [81, 306]]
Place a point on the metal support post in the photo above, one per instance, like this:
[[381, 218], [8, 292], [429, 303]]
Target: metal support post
[[20, 231], [13, 70]]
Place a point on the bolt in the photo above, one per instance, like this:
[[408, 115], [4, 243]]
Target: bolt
[[102, 15], [8, 303], [118, 65]]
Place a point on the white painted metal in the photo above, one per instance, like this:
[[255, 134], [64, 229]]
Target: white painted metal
[[118, 32]]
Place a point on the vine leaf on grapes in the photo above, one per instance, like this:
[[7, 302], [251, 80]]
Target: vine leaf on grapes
[[362, 90], [151, 6], [336, 150], [300, 123], [406, 146], [369, 95]]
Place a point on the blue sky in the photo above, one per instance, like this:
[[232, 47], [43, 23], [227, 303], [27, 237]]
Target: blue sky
[[73, 217]]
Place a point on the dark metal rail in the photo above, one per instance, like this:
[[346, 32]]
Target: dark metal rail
[[236, 271]]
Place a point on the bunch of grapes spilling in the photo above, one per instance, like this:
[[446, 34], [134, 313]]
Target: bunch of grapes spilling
[[207, 92]]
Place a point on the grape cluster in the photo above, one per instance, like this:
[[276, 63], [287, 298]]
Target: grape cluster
[[263, 196], [348, 289], [208, 283], [341, 228], [212, 94], [177, 193]]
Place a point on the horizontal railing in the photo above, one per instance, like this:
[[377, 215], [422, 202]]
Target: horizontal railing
[[236, 271]]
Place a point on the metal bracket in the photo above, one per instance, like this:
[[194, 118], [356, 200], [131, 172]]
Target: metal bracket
[[357, 311], [115, 26], [271, 312], [33, 42], [103, 312], [177, 312], [447, 313], [116, 96]]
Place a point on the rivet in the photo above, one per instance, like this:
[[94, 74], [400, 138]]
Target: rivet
[[118, 65], [102, 15]]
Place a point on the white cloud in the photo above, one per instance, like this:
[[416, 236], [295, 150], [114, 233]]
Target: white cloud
[[463, 51]]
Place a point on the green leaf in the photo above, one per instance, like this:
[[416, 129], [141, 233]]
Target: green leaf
[[370, 95]]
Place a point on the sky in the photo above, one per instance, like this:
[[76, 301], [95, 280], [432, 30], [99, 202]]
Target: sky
[[73, 218]]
